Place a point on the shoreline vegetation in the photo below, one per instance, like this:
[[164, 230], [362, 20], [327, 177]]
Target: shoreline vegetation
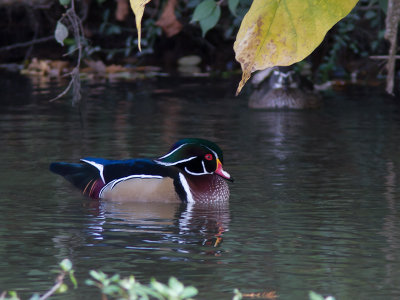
[[68, 37], [115, 287]]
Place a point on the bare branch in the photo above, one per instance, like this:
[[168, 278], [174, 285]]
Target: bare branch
[[27, 44], [392, 21], [59, 282], [64, 92], [77, 28]]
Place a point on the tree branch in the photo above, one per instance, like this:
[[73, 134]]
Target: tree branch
[[59, 282], [27, 44], [392, 21], [77, 28]]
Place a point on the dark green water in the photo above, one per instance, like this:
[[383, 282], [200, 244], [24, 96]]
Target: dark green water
[[315, 205]]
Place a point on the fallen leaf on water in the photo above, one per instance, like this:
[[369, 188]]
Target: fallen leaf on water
[[261, 295], [46, 68], [111, 69], [97, 66]]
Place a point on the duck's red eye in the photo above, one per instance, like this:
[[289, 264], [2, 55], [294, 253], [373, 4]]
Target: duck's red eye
[[208, 156]]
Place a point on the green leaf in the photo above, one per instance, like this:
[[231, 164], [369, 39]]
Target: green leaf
[[314, 296], [99, 276], [145, 291], [61, 33], [209, 22], [90, 282], [64, 2], [237, 295], [128, 283], [114, 278], [62, 289], [233, 4], [175, 285], [204, 10], [189, 292], [159, 287], [13, 296], [73, 279], [111, 290], [66, 265]]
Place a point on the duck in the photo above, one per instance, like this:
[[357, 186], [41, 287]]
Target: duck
[[286, 89], [191, 171]]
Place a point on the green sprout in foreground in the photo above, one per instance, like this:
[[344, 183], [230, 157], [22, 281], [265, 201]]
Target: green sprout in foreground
[[129, 288], [114, 287]]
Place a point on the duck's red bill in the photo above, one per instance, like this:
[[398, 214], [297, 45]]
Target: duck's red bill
[[221, 172]]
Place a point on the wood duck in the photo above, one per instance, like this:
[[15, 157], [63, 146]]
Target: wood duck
[[190, 172]]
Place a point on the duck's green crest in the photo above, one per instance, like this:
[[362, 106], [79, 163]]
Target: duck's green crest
[[187, 148]]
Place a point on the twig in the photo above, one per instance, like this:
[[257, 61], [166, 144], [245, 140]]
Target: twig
[[59, 282], [26, 44], [67, 89], [75, 82], [383, 57]]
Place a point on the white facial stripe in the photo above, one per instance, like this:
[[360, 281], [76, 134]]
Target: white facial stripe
[[97, 166], [186, 187], [174, 163], [192, 173], [168, 154], [215, 154], [204, 168], [196, 174], [142, 176]]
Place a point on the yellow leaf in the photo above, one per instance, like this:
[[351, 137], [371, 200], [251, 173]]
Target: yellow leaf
[[283, 32], [138, 9]]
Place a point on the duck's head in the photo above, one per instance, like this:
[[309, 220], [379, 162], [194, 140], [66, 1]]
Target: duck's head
[[196, 157]]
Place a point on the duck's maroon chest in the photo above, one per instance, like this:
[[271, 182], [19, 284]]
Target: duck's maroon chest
[[208, 188]]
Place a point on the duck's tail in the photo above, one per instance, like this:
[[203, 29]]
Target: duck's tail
[[82, 175]]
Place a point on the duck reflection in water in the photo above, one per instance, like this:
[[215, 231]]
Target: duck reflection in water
[[195, 223]]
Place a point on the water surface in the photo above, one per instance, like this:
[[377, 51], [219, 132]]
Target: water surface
[[314, 205]]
